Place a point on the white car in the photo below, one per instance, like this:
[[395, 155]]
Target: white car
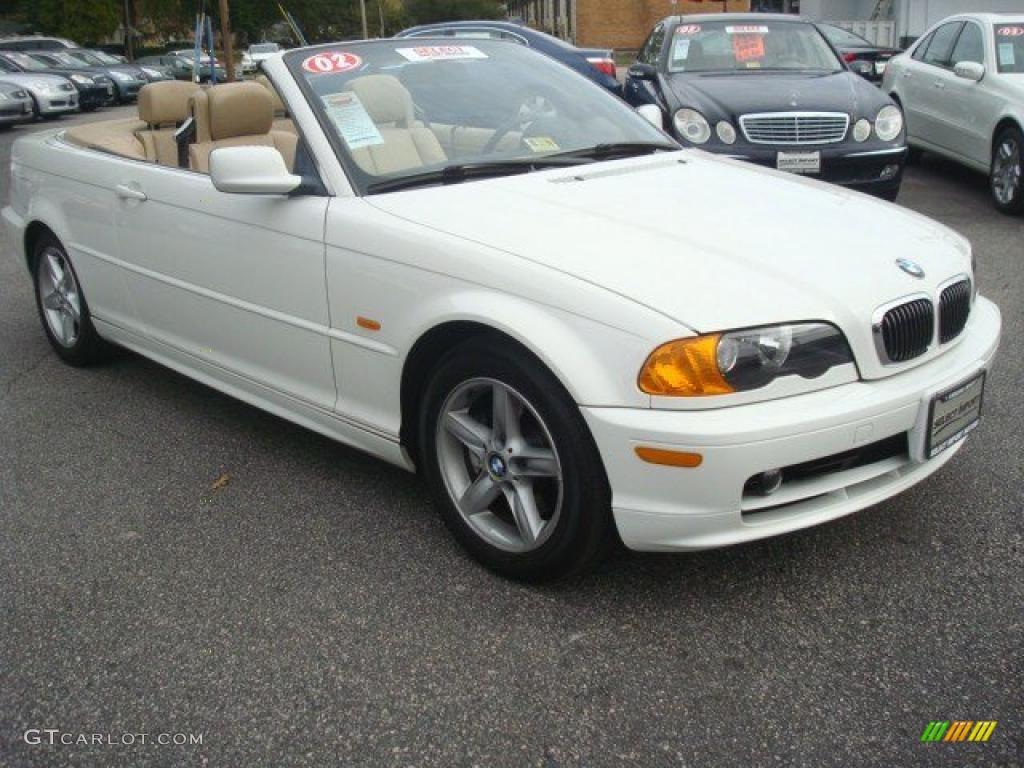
[[256, 54], [472, 261], [961, 86]]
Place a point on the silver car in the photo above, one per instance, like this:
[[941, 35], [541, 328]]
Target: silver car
[[15, 104], [51, 95]]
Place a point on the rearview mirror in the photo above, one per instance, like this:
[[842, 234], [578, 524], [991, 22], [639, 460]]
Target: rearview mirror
[[970, 70], [652, 114], [642, 72], [251, 171]]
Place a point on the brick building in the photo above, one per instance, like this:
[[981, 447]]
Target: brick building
[[620, 24]]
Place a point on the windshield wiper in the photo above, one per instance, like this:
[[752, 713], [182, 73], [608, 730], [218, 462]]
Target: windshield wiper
[[618, 149], [459, 172]]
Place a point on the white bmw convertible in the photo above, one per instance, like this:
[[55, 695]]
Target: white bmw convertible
[[471, 261]]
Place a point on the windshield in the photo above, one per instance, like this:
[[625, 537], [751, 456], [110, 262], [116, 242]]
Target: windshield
[[1010, 47], [82, 57], [402, 107], [732, 46], [843, 37], [103, 57], [67, 59], [25, 61], [264, 48]]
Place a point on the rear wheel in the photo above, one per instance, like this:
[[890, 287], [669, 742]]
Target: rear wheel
[[62, 307], [1005, 176], [511, 464]]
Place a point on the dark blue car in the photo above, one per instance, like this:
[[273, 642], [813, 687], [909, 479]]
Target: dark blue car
[[595, 63]]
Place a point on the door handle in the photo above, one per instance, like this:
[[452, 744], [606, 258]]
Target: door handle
[[127, 192], [939, 84], [907, 74]]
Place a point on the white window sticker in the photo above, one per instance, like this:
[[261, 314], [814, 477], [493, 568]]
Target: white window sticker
[[351, 120], [441, 52], [681, 50], [747, 29], [1006, 57]]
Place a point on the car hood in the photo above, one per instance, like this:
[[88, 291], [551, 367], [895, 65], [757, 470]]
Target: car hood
[[31, 79], [711, 242], [728, 96]]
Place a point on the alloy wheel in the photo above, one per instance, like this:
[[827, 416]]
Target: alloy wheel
[[60, 297], [499, 465], [1006, 171]]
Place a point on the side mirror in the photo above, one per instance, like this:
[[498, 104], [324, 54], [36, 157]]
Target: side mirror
[[862, 68], [642, 72], [969, 70], [652, 114], [251, 171]]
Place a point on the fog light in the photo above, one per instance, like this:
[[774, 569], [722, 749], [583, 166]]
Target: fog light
[[889, 172], [765, 483]]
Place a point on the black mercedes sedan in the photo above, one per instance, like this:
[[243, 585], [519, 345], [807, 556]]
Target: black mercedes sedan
[[771, 90]]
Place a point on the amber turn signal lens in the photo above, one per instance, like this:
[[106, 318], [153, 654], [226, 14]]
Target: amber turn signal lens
[[669, 458], [684, 368]]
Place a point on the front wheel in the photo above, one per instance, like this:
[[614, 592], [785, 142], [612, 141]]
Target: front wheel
[[511, 464], [1005, 175], [62, 308]]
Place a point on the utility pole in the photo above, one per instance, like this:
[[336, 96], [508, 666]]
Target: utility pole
[[362, 9], [225, 36], [129, 44]]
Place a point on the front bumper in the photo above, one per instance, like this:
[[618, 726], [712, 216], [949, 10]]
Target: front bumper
[[877, 170], [670, 508], [128, 90], [58, 103], [93, 96], [15, 111]]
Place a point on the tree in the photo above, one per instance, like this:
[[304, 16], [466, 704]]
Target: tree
[[430, 11], [84, 21]]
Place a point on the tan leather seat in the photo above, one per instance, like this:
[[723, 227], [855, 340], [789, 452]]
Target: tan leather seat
[[236, 115], [118, 137], [282, 122], [407, 142], [163, 107]]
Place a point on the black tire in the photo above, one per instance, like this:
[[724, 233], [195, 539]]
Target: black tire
[[890, 194], [88, 348], [1015, 204], [584, 530]]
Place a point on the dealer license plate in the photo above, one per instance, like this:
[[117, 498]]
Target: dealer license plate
[[954, 414], [880, 67], [799, 162]]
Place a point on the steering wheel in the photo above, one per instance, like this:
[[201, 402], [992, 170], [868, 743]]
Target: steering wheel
[[531, 109]]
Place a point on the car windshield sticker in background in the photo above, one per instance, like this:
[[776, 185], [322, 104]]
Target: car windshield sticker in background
[[688, 29], [441, 52], [748, 49], [541, 144], [351, 120], [680, 50], [331, 62], [1006, 56]]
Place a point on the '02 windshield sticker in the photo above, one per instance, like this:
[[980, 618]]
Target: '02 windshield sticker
[[688, 29], [351, 120], [1010, 31], [441, 52], [331, 62]]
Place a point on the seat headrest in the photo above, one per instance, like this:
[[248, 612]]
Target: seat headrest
[[279, 107], [236, 109], [165, 102], [384, 98]]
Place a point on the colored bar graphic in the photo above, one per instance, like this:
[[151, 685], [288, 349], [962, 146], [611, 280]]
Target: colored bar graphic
[[959, 730]]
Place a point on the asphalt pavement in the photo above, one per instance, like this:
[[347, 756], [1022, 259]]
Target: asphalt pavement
[[175, 562]]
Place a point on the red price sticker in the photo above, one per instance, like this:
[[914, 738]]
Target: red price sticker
[[688, 29], [1010, 31], [748, 47], [330, 62]]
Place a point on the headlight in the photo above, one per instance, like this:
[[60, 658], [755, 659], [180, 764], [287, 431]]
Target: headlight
[[726, 133], [889, 123], [82, 79], [121, 76], [3, 96], [692, 126], [861, 130], [152, 72], [722, 363]]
